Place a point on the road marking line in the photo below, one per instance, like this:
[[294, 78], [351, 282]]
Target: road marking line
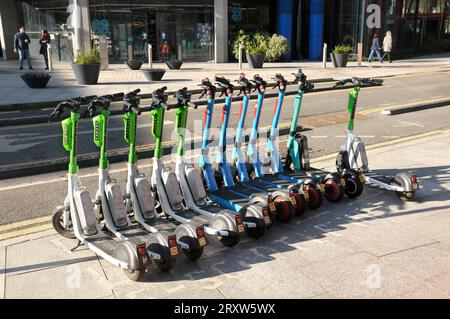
[[410, 123], [26, 231], [25, 223], [319, 136]]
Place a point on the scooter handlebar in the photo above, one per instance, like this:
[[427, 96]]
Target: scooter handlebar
[[74, 104]]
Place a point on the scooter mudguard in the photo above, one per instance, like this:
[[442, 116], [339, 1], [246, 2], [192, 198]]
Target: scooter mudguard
[[404, 179], [125, 250], [86, 215], [302, 143]]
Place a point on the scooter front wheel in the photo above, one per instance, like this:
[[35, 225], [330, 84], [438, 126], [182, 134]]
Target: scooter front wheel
[[135, 274], [353, 185], [408, 196], [166, 264], [283, 208], [256, 232], [333, 191], [301, 204], [230, 241], [58, 224], [315, 196], [193, 254]]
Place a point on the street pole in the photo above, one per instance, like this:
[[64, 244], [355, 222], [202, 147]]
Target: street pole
[[360, 53], [324, 56]]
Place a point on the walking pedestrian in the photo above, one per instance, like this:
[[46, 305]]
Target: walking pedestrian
[[21, 46], [375, 48], [387, 46], [44, 41]]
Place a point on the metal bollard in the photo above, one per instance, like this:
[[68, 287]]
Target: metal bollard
[[150, 57], [240, 56], [360, 53], [49, 56], [324, 55]]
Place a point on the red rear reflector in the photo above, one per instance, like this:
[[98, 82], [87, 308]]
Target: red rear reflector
[[414, 179], [265, 211], [238, 219], [172, 241], [142, 254], [200, 232]]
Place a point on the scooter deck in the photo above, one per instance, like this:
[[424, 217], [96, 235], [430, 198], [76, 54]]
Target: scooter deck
[[235, 199], [102, 242], [378, 177], [259, 183], [136, 234], [278, 180], [162, 225], [212, 208], [191, 214]]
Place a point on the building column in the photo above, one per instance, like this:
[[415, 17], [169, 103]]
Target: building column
[[9, 26], [221, 31], [82, 25], [285, 22], [316, 29]]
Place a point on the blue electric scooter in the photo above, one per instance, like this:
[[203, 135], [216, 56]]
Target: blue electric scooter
[[310, 188], [241, 167], [254, 209]]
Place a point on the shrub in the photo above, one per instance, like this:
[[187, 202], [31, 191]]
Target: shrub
[[88, 57], [254, 44], [343, 49], [277, 46]]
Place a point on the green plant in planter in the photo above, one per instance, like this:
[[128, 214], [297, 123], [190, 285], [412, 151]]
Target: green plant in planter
[[88, 57], [254, 44], [277, 46], [342, 49], [241, 38]]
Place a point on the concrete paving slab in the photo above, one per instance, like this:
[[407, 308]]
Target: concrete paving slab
[[2, 271], [426, 292], [360, 275], [423, 262]]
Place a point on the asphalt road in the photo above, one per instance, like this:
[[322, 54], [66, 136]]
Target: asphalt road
[[323, 117]]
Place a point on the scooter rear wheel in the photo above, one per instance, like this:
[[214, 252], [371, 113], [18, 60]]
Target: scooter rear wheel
[[408, 196], [256, 232], [58, 224], [315, 196], [230, 241], [333, 191], [135, 274], [193, 254], [166, 264], [301, 204], [283, 210]]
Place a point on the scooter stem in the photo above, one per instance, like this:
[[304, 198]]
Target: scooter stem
[[180, 124], [157, 126], [130, 135], [352, 101], [73, 166]]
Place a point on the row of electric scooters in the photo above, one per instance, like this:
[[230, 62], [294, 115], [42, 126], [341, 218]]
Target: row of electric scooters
[[175, 210]]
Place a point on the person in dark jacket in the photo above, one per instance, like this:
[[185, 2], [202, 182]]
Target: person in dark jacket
[[375, 48], [44, 41], [21, 46]]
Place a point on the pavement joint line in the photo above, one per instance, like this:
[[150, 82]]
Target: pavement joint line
[[410, 248], [23, 223]]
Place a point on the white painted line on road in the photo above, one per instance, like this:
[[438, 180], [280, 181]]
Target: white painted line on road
[[414, 100], [319, 136], [411, 123], [390, 136], [367, 136], [340, 136], [387, 104], [20, 118]]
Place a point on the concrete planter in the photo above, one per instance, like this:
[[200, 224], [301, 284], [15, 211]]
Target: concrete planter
[[174, 64], [134, 65], [86, 73], [255, 61], [36, 80], [339, 59], [153, 74]]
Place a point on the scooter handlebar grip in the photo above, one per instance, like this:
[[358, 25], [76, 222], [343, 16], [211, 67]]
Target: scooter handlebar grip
[[192, 104], [136, 110]]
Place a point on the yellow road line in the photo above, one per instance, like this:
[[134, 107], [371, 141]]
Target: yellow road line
[[26, 231], [25, 223]]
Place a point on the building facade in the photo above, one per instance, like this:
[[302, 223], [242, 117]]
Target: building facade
[[203, 30]]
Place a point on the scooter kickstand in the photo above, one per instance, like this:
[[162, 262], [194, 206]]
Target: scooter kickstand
[[78, 245]]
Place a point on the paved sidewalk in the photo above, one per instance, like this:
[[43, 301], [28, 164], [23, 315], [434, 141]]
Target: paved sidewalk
[[374, 247], [119, 78]]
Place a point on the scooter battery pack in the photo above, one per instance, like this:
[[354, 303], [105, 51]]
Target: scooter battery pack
[[172, 189], [359, 158], [86, 215], [303, 141], [195, 181], [116, 204], [145, 196]]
